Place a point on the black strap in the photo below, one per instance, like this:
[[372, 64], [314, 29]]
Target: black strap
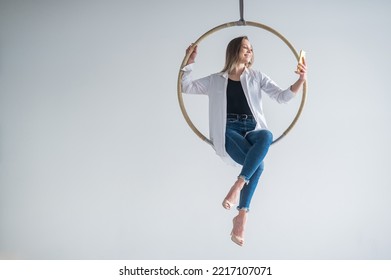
[[241, 8]]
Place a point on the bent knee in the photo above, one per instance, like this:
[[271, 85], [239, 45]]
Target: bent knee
[[265, 136]]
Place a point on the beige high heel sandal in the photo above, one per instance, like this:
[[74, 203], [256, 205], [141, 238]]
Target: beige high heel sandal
[[236, 239], [228, 204]]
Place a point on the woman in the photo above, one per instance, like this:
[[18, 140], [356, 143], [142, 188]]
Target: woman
[[237, 125]]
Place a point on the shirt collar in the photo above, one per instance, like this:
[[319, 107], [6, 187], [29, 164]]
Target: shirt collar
[[225, 74]]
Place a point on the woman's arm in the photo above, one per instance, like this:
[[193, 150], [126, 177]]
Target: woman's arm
[[199, 86], [280, 95]]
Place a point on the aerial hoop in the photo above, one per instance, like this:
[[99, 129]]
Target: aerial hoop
[[241, 22]]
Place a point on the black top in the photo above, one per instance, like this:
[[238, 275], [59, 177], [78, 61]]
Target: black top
[[236, 100]]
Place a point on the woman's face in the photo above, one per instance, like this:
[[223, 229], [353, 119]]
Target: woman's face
[[246, 52]]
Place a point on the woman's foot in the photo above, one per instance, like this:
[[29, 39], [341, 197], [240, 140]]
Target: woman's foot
[[232, 197], [239, 222]]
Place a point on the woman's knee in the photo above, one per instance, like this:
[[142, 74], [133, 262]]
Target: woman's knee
[[268, 136], [261, 135]]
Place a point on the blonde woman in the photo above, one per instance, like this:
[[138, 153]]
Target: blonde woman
[[237, 125]]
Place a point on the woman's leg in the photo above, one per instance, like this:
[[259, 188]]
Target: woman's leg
[[248, 190], [237, 146], [260, 141], [248, 151], [246, 194], [253, 164]]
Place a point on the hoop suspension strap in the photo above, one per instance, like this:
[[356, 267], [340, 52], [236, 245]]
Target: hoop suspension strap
[[241, 8]]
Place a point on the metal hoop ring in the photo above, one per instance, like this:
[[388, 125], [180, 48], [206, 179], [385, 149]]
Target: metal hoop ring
[[220, 27]]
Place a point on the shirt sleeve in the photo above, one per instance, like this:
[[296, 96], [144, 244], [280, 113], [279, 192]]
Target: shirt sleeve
[[198, 86], [274, 91]]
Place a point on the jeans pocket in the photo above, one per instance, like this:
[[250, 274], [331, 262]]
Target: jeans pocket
[[232, 120]]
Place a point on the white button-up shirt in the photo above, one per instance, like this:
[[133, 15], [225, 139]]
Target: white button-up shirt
[[254, 83]]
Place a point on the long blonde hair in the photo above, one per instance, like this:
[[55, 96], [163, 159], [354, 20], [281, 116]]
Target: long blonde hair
[[232, 54]]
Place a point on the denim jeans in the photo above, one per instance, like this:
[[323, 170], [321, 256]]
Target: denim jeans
[[248, 148]]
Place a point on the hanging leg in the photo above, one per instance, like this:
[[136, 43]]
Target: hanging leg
[[250, 152], [237, 147]]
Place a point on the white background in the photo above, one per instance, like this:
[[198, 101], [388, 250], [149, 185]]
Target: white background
[[97, 162]]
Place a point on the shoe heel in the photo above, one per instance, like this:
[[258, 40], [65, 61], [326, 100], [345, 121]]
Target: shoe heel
[[237, 240]]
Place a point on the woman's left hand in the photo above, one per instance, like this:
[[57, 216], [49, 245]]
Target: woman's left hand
[[302, 70]]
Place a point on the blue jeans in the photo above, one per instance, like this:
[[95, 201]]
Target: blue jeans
[[248, 148]]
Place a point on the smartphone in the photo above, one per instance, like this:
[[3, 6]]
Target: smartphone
[[301, 57]]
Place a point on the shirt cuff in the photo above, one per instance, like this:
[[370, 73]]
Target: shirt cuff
[[290, 91], [188, 67], [289, 94]]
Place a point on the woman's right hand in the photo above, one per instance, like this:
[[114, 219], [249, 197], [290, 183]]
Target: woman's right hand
[[192, 49]]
